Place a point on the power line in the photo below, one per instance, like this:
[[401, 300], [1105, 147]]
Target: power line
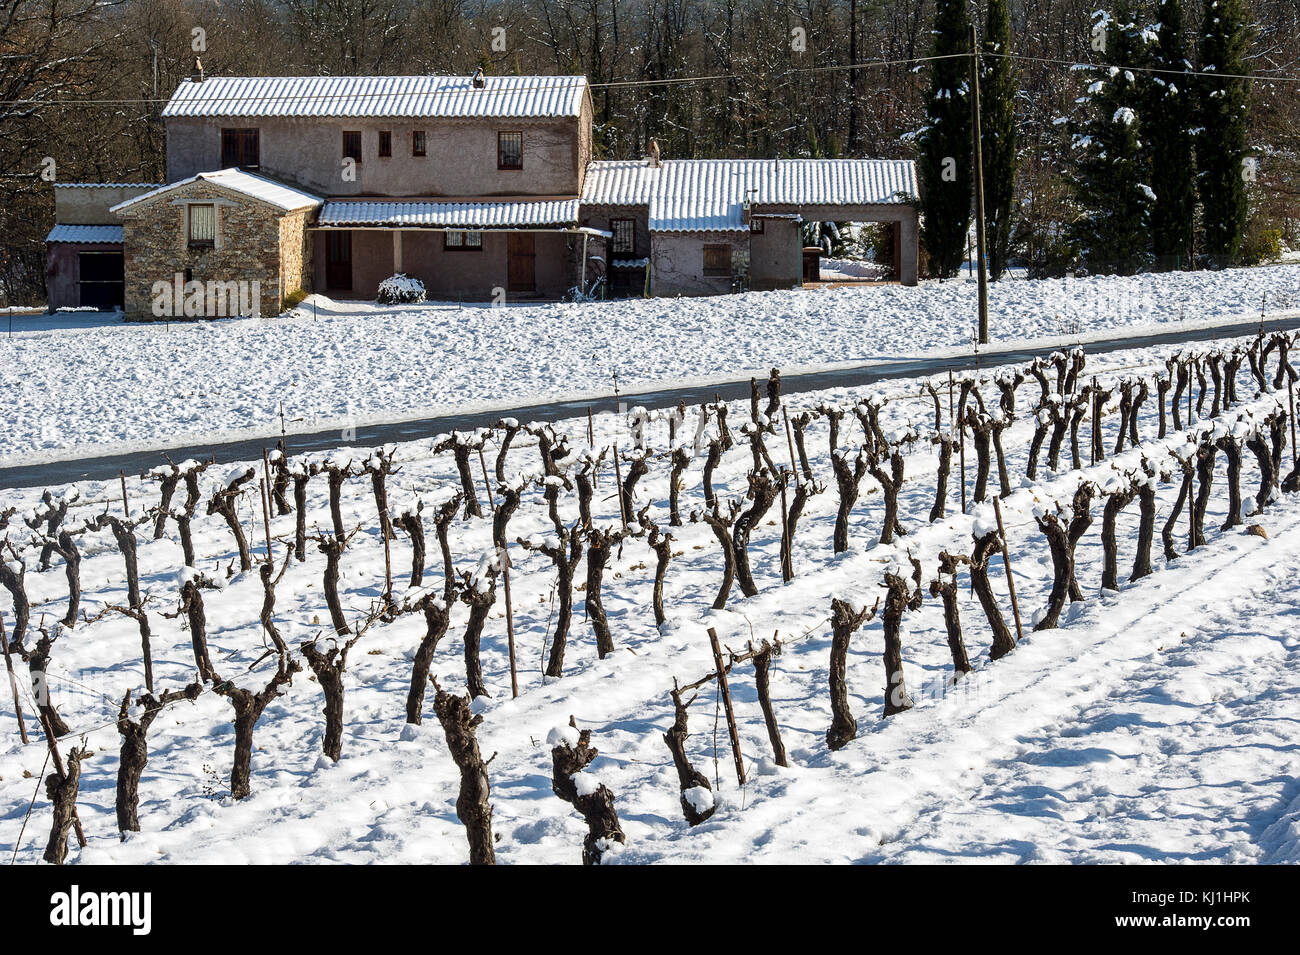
[[670, 81], [1279, 77]]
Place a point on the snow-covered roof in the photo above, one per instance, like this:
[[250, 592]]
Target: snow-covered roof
[[85, 233], [379, 96], [265, 190], [511, 213], [694, 195]]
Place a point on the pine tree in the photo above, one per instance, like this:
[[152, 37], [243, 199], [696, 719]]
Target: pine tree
[[1166, 111], [1224, 114], [946, 143], [998, 144], [1111, 172]]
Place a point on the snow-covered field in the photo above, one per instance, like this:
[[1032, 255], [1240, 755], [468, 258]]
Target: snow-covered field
[[1157, 724], [77, 391]]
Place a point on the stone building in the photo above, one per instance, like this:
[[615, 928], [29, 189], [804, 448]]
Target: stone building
[[215, 244], [484, 188]]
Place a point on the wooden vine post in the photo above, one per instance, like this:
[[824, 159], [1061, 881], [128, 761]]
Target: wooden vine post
[[787, 564], [482, 463], [13, 680], [789, 440], [510, 622], [126, 506], [1290, 393], [1006, 564], [726, 703], [961, 441], [266, 517]]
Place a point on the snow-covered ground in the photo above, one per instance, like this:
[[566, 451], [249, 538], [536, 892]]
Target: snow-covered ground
[[852, 269], [77, 391], [1157, 724]]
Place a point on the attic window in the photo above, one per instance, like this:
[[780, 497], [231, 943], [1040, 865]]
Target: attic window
[[240, 147], [203, 225], [352, 145], [510, 150]]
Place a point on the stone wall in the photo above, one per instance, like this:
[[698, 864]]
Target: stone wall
[[248, 248], [295, 254]]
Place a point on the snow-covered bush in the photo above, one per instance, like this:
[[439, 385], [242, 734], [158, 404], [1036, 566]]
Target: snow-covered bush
[[400, 289]]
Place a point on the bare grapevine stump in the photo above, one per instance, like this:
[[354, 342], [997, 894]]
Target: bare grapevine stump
[[945, 586], [412, 524], [762, 658], [565, 553], [1205, 455], [191, 605], [600, 542], [223, 502], [1231, 448], [436, 618], [662, 545], [248, 707], [986, 546], [1062, 537], [1146, 493], [15, 581], [697, 806], [1115, 503], [1187, 465], [593, 800], [848, 479], [762, 491], [844, 623], [135, 750], [328, 659], [332, 547], [472, 804], [903, 594], [479, 595], [61, 790]]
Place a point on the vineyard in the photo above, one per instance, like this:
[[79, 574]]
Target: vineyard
[[741, 630]]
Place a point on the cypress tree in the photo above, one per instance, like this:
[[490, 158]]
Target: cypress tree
[[1224, 113], [998, 85], [1111, 172], [1167, 109], [945, 143]]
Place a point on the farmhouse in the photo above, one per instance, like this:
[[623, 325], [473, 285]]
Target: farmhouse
[[484, 188]]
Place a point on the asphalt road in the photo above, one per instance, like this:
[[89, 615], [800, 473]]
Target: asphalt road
[[136, 462]]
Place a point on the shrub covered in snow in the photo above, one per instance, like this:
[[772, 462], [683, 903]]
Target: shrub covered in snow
[[400, 289]]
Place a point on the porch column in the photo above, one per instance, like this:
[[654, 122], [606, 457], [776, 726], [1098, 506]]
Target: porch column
[[909, 251], [397, 251]]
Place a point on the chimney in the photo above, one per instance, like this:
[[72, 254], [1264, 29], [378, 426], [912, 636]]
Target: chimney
[[652, 152], [478, 79], [197, 75]]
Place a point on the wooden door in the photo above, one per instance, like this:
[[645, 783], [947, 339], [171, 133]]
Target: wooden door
[[522, 256], [338, 261]]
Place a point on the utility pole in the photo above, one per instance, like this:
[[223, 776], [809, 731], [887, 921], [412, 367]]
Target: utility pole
[[979, 187]]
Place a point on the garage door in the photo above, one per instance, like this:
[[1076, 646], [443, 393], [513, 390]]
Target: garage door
[[100, 279]]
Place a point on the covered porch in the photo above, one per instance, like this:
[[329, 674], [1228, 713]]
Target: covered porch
[[461, 251]]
